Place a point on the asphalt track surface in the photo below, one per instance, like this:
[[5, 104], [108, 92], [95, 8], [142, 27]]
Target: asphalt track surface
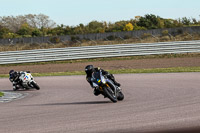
[[165, 102]]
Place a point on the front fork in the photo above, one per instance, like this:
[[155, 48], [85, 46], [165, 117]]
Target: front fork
[[115, 89]]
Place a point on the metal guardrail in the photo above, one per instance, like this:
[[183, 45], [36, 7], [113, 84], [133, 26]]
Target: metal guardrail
[[85, 52]]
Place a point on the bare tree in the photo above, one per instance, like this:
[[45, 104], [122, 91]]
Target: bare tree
[[12, 23], [39, 21], [31, 20], [44, 21], [35, 21]]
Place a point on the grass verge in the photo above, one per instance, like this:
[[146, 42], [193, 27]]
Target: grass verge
[[1, 94], [121, 71], [157, 70]]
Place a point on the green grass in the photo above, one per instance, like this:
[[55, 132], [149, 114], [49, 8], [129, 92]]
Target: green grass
[[1, 94], [121, 71], [4, 75], [157, 70], [59, 73]]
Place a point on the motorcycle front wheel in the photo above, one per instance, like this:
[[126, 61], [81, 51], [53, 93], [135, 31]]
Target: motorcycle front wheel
[[110, 94], [120, 96], [35, 85]]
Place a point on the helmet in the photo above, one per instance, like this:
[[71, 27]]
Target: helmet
[[11, 71], [13, 75], [89, 69]]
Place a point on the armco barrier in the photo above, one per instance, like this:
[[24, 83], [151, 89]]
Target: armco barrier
[[71, 53]]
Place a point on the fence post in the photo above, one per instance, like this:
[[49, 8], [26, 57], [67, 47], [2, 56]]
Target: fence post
[[155, 37], [172, 36], [93, 41]]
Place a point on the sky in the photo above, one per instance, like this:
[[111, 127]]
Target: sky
[[74, 12]]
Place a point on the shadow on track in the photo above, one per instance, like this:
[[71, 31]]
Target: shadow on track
[[21, 90], [73, 103], [182, 130]]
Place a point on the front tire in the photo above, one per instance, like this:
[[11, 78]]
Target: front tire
[[109, 93], [120, 96], [35, 85]]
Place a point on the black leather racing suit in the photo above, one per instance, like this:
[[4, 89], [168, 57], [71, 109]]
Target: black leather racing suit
[[15, 80], [110, 76]]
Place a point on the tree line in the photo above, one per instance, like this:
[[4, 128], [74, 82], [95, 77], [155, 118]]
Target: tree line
[[33, 25]]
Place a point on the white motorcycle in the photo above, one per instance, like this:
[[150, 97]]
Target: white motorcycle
[[27, 81]]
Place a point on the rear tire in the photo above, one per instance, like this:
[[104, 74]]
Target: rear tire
[[35, 85], [109, 94]]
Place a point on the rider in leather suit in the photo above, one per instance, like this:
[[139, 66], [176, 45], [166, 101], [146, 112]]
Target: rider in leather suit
[[89, 69], [14, 78]]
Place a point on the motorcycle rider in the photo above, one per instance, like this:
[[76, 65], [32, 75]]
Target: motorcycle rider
[[89, 70], [14, 78]]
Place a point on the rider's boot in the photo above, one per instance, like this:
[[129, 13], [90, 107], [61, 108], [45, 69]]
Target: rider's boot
[[15, 88], [96, 91]]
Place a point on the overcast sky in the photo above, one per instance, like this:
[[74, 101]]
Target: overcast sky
[[74, 12]]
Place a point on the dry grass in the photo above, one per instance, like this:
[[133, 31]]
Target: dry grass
[[146, 38]]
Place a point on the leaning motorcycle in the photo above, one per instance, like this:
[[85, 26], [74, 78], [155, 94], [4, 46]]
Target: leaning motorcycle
[[107, 87], [27, 81]]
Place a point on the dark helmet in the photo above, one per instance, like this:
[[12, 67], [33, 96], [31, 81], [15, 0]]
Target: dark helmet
[[13, 75], [89, 69], [11, 71]]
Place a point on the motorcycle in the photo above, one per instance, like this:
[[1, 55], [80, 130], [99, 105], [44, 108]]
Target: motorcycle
[[107, 87], [27, 81]]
